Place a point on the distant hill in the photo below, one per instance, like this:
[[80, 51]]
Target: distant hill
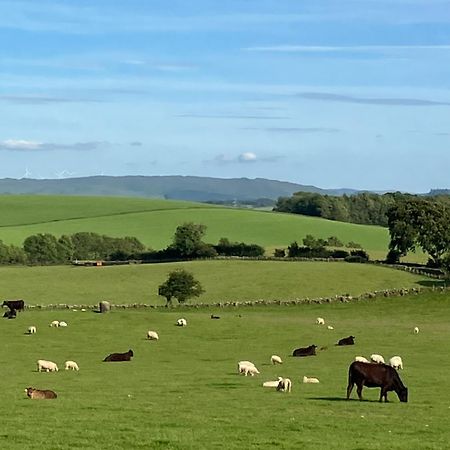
[[200, 189]]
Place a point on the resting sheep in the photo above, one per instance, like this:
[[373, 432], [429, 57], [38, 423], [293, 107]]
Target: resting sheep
[[396, 362], [310, 380], [181, 322], [284, 384], [320, 321], [329, 327], [361, 359], [271, 383], [62, 323], [47, 366], [377, 359], [72, 365], [152, 335], [31, 330], [275, 359]]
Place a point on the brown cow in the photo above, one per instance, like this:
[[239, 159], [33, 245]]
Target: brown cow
[[39, 394], [305, 351], [114, 357], [375, 375]]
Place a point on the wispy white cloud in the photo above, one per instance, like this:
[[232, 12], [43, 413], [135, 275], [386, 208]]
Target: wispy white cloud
[[22, 145], [243, 158]]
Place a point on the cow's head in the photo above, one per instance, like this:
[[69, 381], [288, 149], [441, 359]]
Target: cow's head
[[403, 394]]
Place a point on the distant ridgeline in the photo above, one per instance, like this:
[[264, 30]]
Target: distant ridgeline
[[363, 208]]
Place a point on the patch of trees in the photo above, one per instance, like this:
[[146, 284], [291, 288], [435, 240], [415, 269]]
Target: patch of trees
[[181, 285], [364, 208]]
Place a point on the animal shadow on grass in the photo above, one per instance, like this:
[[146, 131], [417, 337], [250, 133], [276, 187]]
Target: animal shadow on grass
[[431, 283], [338, 399]]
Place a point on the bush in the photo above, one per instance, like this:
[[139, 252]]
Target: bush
[[340, 254], [279, 253]]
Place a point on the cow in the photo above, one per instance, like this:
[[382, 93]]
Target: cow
[[375, 375], [40, 394], [18, 305], [114, 357], [347, 341], [214, 317], [305, 351], [11, 314]]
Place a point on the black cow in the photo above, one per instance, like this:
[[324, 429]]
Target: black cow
[[375, 375], [214, 317], [11, 314], [305, 351], [347, 341], [114, 357], [18, 305]]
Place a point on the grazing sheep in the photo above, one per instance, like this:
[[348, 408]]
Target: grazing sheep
[[284, 384], [310, 380], [72, 365], [47, 366], [377, 359], [247, 367], [329, 327], [320, 321], [63, 324], [40, 394], [416, 330], [181, 322], [55, 323], [275, 359], [271, 383], [31, 330], [396, 362], [361, 359], [152, 335]]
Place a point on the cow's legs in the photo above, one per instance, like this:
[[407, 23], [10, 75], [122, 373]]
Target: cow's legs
[[359, 391], [349, 388], [383, 393]]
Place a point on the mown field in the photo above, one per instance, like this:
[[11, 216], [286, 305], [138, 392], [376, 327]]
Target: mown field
[[183, 391], [222, 280], [154, 222]]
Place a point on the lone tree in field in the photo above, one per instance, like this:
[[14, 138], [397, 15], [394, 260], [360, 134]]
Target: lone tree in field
[[180, 285]]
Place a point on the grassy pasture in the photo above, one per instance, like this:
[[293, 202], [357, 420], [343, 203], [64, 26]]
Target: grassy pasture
[[154, 222], [223, 280], [183, 391]]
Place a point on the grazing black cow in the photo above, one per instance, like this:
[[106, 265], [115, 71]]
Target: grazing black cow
[[305, 351], [11, 314], [347, 341], [114, 357], [18, 305], [375, 375], [214, 317]]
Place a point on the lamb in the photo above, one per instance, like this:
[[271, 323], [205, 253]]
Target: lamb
[[320, 321], [275, 359], [48, 366], [71, 365], [181, 322], [31, 330], [284, 384], [63, 324], [377, 359], [361, 359], [416, 330], [396, 362], [55, 323], [152, 335], [310, 380]]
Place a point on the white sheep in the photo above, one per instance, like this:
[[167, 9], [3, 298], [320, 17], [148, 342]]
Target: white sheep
[[275, 359], [320, 321], [71, 365], [62, 323], [271, 383], [247, 367], [48, 366], [31, 330], [396, 362], [55, 323], [329, 327], [310, 380], [377, 359], [182, 322], [361, 359], [284, 384], [416, 330], [152, 335]]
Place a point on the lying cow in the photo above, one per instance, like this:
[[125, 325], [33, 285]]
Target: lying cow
[[114, 357], [18, 305], [40, 394], [305, 351], [347, 341], [375, 375]]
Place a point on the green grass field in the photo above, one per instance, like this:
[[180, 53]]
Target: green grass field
[[223, 280], [154, 222], [183, 391]]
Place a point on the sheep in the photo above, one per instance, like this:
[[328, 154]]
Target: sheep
[[152, 335], [31, 330], [275, 359], [416, 330], [361, 359], [320, 321], [396, 362], [329, 327], [310, 380], [48, 366], [284, 384], [271, 383], [71, 365], [55, 323], [247, 367], [377, 359], [63, 324], [181, 322]]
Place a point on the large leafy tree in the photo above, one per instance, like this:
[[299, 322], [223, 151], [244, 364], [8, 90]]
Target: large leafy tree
[[181, 285], [41, 248], [187, 241]]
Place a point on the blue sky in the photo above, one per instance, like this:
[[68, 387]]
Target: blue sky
[[333, 93]]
